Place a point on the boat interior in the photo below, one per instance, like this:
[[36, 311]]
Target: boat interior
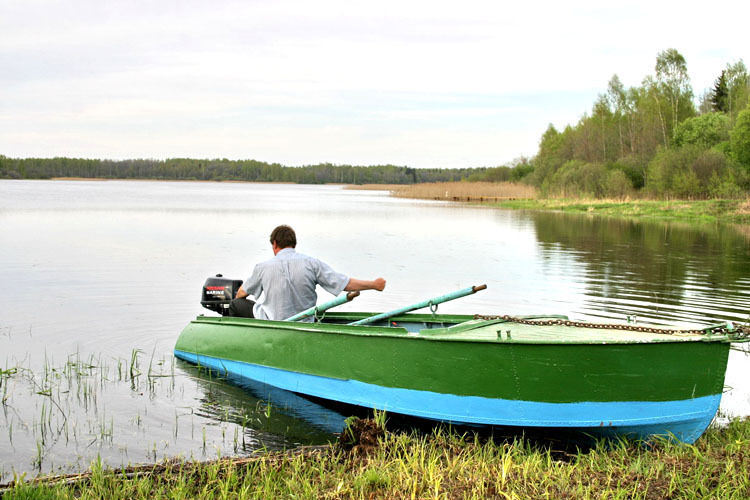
[[412, 323]]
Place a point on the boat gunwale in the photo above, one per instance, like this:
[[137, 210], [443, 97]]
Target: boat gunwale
[[445, 334]]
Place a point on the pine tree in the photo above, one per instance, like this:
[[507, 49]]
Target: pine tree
[[720, 93]]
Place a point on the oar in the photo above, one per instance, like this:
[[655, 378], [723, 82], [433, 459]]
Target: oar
[[426, 303], [324, 307]]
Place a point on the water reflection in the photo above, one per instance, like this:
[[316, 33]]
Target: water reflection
[[660, 271], [273, 418]]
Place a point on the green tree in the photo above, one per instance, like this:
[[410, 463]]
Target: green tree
[[673, 83], [738, 88], [652, 110], [618, 100], [522, 170], [704, 102], [551, 155], [603, 117], [704, 130], [720, 94], [740, 139], [654, 106]]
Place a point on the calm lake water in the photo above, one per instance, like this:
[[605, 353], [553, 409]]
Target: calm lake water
[[99, 278]]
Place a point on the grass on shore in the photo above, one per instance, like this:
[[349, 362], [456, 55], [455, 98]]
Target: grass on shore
[[440, 465], [737, 211]]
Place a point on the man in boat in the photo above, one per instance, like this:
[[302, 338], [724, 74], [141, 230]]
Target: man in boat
[[285, 284]]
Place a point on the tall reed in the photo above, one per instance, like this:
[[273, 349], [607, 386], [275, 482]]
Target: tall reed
[[463, 191]]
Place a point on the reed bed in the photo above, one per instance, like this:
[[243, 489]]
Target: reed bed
[[443, 464], [57, 417], [458, 191], [62, 406]]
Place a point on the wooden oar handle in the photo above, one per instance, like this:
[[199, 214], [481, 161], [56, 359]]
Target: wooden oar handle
[[478, 287], [351, 295]]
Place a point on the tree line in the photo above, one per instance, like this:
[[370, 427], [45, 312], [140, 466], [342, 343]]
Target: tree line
[[649, 139], [224, 170]]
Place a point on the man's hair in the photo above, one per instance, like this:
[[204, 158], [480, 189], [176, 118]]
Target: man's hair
[[284, 236]]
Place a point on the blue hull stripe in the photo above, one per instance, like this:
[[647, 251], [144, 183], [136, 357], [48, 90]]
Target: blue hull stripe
[[686, 419]]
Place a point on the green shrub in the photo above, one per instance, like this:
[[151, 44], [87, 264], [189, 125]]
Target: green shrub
[[704, 131], [740, 139], [707, 164], [724, 185], [618, 185], [685, 184], [577, 179], [666, 165], [633, 168]]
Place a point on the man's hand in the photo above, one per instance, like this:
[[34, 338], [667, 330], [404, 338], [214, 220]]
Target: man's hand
[[356, 285], [379, 284], [241, 294]]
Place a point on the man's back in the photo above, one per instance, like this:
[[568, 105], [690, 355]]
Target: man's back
[[285, 284]]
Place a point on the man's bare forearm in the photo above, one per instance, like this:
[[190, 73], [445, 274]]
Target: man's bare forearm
[[357, 285]]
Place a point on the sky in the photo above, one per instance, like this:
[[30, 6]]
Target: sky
[[424, 84]]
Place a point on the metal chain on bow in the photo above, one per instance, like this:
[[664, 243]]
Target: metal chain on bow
[[736, 331]]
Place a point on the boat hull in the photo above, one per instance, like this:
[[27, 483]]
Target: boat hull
[[634, 390]]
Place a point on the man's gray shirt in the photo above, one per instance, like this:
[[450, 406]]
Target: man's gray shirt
[[285, 285]]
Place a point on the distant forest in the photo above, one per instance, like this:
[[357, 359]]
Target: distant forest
[[655, 139], [224, 170]]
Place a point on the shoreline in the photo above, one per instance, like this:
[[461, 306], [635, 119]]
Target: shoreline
[[702, 211], [368, 461]]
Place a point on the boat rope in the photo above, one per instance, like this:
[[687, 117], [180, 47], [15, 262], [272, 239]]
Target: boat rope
[[735, 331]]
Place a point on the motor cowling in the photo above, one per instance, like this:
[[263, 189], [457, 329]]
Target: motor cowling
[[218, 293]]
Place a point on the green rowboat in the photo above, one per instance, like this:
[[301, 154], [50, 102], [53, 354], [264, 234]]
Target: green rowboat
[[540, 372]]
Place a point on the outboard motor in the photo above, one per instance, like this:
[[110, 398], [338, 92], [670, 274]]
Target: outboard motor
[[218, 292]]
